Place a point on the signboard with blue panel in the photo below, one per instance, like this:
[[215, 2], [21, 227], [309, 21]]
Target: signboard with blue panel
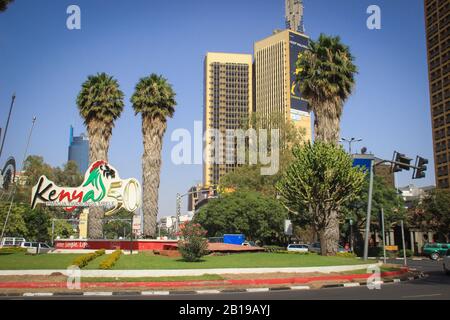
[[297, 44], [364, 163]]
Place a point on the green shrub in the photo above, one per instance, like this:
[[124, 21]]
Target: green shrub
[[346, 255], [83, 260], [10, 250], [409, 253], [274, 249], [193, 245], [110, 260]]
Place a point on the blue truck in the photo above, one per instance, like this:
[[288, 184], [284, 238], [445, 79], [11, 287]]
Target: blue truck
[[237, 239]]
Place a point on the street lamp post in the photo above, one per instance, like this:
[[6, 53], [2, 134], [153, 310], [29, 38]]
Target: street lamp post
[[350, 141]]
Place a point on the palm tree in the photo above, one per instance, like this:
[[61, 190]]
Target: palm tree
[[100, 103], [154, 99], [326, 76], [4, 4]]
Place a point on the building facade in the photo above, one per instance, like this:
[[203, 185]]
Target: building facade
[[227, 106], [79, 151], [437, 22], [276, 89]]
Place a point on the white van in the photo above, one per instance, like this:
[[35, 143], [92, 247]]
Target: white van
[[36, 247]]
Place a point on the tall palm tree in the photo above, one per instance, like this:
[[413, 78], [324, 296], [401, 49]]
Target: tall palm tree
[[100, 103], [154, 99], [326, 76], [4, 4]]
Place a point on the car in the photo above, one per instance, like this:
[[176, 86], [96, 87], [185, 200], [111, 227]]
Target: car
[[249, 244], [315, 247], [298, 248], [446, 263], [435, 250], [36, 247]]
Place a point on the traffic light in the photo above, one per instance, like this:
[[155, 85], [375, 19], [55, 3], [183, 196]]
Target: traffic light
[[421, 167], [401, 162]]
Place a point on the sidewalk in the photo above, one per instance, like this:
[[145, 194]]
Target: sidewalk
[[188, 272]]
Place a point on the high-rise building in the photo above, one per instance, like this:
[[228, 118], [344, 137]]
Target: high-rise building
[[294, 15], [79, 150], [437, 21], [276, 89], [227, 105]]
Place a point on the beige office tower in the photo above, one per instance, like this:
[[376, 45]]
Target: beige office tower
[[277, 92], [227, 105]]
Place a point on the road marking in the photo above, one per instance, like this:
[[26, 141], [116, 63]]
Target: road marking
[[348, 285], [155, 293], [300, 288], [208, 291], [94, 293], [423, 295], [38, 294], [257, 289]]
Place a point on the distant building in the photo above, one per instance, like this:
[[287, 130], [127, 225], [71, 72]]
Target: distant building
[[79, 150], [384, 172], [411, 193], [294, 15], [437, 17], [227, 106]]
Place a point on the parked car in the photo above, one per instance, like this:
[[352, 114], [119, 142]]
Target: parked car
[[435, 250], [36, 247], [249, 244], [298, 248], [446, 262], [315, 247]]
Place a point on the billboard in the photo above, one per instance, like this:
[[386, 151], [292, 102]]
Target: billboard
[[297, 44]]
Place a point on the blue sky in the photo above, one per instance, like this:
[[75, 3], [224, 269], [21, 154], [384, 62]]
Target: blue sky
[[45, 64]]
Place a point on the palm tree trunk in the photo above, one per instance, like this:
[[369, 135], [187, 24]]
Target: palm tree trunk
[[99, 136], [327, 118], [152, 130]]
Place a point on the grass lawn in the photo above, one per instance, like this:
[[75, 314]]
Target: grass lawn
[[21, 261], [242, 260], [142, 261]]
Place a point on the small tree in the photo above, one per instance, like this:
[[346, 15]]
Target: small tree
[[193, 245], [320, 180]]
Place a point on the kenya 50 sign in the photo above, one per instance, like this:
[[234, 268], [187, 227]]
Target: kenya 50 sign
[[102, 187]]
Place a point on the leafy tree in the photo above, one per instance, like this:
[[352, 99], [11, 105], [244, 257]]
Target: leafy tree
[[383, 196], [100, 103], [326, 77], [16, 226], [38, 223], [257, 216], [433, 213], [316, 186], [154, 99], [4, 4], [69, 176], [248, 177]]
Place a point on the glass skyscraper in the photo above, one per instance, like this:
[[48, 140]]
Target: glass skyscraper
[[79, 150]]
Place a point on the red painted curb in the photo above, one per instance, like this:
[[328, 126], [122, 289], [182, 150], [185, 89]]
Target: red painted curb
[[175, 284]]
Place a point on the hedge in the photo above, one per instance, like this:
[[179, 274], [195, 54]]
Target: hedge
[[10, 250], [83, 260], [110, 260]]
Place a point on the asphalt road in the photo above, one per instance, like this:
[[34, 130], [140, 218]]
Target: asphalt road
[[434, 287]]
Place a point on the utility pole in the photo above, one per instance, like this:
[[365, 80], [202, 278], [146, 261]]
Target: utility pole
[[405, 263], [14, 185], [384, 235], [177, 221], [369, 210]]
